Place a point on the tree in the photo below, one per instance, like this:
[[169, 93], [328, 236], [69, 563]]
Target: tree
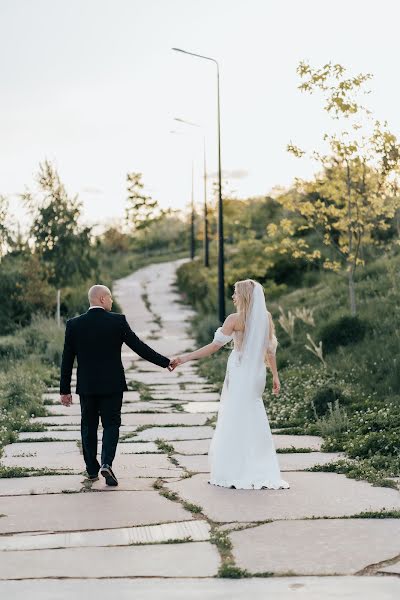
[[5, 234], [355, 195], [59, 240], [142, 209]]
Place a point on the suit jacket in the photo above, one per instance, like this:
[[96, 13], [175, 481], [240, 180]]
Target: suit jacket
[[95, 338]]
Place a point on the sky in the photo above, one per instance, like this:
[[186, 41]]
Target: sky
[[93, 86]]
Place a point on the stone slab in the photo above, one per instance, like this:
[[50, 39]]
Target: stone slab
[[310, 494], [192, 388], [56, 484], [298, 461], [201, 407], [196, 559], [393, 569], [288, 462], [197, 531], [54, 431], [76, 512], [54, 396], [187, 396], [276, 588], [313, 442], [131, 396], [143, 465], [127, 407], [38, 455], [154, 378], [129, 419], [175, 433], [164, 419], [189, 447], [129, 484], [70, 435], [321, 547], [58, 420], [138, 407], [138, 448], [194, 463], [132, 459]]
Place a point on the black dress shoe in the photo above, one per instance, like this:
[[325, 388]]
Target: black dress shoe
[[108, 475]]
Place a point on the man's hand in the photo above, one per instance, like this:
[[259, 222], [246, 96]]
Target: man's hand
[[66, 399], [276, 385], [175, 362]]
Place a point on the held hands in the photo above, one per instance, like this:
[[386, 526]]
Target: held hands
[[66, 399], [175, 362]]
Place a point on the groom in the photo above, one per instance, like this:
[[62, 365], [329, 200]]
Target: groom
[[95, 338]]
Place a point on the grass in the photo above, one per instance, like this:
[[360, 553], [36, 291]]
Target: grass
[[293, 450], [231, 571], [173, 496], [359, 470], [158, 484], [193, 508], [41, 439], [184, 540], [164, 446], [228, 568], [369, 514], [381, 514], [13, 472]]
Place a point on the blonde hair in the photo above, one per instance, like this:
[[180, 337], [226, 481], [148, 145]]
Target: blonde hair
[[244, 292]]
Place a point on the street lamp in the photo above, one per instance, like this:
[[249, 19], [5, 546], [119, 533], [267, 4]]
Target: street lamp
[[192, 218], [206, 238], [221, 276]]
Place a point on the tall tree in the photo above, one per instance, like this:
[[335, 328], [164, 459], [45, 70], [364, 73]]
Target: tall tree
[[61, 243], [141, 209], [5, 234], [354, 196]]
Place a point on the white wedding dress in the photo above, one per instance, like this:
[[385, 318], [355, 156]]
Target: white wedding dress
[[242, 452]]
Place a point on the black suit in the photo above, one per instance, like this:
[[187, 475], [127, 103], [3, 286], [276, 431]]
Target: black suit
[[95, 338]]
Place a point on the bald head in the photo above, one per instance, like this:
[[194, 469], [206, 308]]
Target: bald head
[[100, 295]]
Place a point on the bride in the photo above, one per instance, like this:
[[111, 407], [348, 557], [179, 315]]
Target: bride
[[242, 453]]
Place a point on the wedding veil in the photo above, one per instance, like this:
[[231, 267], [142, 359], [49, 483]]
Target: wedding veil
[[255, 339]]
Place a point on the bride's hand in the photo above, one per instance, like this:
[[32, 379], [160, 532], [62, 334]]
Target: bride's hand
[[276, 385], [175, 362]]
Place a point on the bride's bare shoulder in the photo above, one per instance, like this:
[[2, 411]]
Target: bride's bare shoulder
[[230, 323]]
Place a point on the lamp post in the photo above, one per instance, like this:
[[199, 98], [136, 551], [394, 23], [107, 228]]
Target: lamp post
[[206, 241], [221, 262], [192, 215]]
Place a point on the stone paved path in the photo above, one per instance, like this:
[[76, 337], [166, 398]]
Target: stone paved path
[[164, 532]]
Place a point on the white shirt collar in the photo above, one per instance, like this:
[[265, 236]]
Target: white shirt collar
[[102, 307]]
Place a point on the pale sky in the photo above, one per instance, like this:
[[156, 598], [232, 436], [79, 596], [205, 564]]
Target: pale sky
[[94, 86]]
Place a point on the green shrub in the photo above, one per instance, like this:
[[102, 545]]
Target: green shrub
[[342, 332], [335, 422], [45, 338], [299, 385], [22, 389], [205, 327], [12, 347], [385, 443], [198, 285], [325, 396]]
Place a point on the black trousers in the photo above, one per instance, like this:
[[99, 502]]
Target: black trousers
[[108, 408]]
